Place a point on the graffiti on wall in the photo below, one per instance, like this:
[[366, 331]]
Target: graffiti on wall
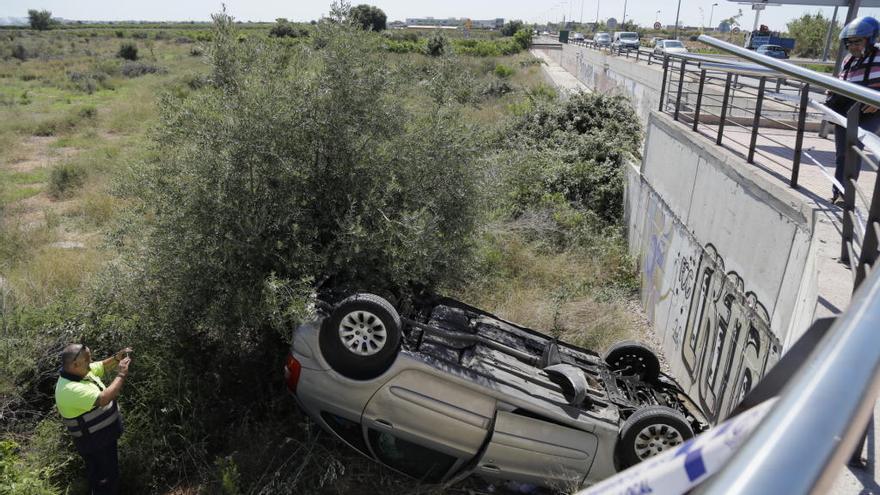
[[724, 342], [715, 332]]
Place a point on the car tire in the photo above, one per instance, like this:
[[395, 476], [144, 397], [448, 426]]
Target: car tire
[[633, 358], [361, 337], [648, 432]]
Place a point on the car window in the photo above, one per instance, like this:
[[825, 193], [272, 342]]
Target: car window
[[419, 462], [673, 44], [629, 36], [348, 430]]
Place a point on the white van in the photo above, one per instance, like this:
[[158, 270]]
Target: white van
[[625, 40]]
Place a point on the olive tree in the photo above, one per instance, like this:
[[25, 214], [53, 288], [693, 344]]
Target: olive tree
[[295, 166], [40, 20], [369, 17]]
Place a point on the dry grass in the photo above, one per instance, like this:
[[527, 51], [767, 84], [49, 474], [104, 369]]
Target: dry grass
[[563, 293]]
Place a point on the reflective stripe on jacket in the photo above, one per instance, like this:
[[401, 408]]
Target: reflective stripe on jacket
[[96, 428], [93, 421]]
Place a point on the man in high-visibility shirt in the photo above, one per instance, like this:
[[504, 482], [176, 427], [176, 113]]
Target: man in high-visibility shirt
[[90, 412]]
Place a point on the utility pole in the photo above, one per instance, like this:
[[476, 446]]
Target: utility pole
[[582, 13], [677, 12], [712, 13], [624, 13], [828, 36], [598, 3]]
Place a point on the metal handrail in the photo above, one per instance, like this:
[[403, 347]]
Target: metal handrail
[[812, 430], [848, 89]]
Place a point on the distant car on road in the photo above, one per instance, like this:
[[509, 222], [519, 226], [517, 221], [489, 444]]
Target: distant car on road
[[577, 37], [774, 51], [669, 47], [602, 39], [625, 40], [653, 41], [440, 390]]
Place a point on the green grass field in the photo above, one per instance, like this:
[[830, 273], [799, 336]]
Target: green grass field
[[78, 123]]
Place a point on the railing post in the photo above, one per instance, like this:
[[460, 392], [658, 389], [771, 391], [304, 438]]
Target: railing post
[[724, 108], [663, 84], [757, 122], [868, 255], [851, 163], [699, 98], [799, 140], [680, 87]]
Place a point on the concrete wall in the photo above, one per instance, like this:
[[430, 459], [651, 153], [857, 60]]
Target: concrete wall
[[725, 262], [616, 75]]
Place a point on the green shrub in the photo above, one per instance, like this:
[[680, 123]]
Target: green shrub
[[19, 52], [503, 71], [436, 46], [128, 51], [524, 38], [120, 33], [87, 112], [18, 479], [137, 69], [571, 155], [64, 178]]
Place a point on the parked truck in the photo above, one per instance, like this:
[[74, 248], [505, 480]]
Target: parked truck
[[755, 39]]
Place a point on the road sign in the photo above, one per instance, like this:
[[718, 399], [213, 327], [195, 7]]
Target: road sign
[[657, 25], [735, 29], [611, 23], [758, 6]]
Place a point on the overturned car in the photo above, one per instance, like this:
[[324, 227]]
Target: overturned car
[[439, 390]]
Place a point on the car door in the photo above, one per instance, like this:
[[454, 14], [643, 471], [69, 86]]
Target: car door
[[428, 410], [533, 450]]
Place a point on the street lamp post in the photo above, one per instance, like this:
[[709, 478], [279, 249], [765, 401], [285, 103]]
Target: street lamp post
[[711, 13], [598, 3], [677, 12], [624, 13]]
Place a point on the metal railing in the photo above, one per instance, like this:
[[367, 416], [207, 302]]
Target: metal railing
[[860, 236], [712, 94], [820, 418]]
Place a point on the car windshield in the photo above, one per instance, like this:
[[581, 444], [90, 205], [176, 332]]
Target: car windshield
[[602, 36], [673, 44], [629, 36]]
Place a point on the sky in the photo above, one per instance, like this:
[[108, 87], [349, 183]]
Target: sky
[[644, 12]]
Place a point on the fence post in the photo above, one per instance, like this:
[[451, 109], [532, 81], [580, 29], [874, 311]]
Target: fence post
[[699, 98], [724, 108], [799, 140], [663, 84], [680, 87], [757, 121], [868, 255], [852, 161]]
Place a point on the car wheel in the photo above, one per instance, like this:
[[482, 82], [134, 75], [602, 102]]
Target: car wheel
[[648, 432], [633, 358], [361, 337]]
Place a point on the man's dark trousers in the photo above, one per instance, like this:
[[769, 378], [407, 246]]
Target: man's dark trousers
[[103, 469], [867, 121]]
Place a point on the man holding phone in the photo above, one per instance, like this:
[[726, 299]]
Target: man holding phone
[[89, 411]]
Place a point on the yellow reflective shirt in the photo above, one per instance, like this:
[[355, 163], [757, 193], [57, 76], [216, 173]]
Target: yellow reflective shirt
[[75, 398]]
